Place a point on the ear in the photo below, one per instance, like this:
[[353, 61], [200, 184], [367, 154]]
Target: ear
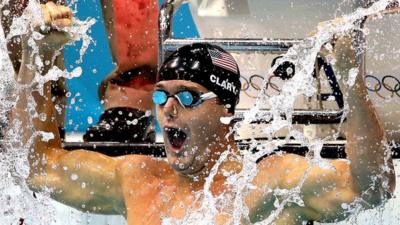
[[226, 117], [227, 113]]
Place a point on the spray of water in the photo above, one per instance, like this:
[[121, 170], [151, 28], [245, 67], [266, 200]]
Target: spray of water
[[18, 203]]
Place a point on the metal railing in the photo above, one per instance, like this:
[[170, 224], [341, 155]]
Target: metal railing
[[333, 149]]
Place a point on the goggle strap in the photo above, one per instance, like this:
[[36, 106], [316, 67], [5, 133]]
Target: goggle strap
[[208, 95], [179, 100]]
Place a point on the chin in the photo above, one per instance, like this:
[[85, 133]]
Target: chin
[[180, 162], [186, 165]]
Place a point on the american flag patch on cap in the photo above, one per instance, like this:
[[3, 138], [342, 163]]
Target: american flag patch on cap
[[223, 60]]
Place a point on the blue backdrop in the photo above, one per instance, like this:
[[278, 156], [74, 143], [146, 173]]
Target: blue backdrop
[[83, 107]]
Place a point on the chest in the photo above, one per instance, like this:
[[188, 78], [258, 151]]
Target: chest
[[193, 210], [154, 203]]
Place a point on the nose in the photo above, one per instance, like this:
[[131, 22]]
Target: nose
[[171, 108]]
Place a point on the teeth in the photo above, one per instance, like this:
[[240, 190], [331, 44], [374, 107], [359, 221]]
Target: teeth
[[174, 130], [170, 129]]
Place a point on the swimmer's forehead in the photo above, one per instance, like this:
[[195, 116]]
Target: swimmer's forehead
[[176, 85]]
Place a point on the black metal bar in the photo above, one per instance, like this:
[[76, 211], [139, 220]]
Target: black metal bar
[[118, 149], [276, 46], [329, 150], [298, 117], [333, 83]]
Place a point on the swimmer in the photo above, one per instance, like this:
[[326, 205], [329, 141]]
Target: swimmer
[[189, 106]]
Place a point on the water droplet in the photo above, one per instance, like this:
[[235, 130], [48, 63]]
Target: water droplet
[[148, 113], [42, 117], [90, 120], [6, 12], [74, 176]]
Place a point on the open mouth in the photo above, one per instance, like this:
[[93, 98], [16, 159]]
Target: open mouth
[[176, 137]]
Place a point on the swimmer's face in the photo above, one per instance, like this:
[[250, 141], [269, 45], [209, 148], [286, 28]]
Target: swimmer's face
[[191, 134]]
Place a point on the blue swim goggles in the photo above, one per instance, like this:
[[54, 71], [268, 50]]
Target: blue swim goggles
[[186, 98]]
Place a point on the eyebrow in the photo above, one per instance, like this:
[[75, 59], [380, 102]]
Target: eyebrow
[[158, 85], [179, 87]]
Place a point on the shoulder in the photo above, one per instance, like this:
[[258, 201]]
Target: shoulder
[[280, 160], [142, 177], [280, 170], [281, 164], [324, 185], [290, 169], [140, 166]]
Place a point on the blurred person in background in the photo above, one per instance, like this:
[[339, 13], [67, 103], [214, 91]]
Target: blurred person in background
[[132, 27]]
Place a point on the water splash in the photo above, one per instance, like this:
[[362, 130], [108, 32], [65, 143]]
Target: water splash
[[18, 203], [13, 188]]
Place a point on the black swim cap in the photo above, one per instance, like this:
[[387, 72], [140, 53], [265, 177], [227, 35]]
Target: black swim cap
[[208, 65]]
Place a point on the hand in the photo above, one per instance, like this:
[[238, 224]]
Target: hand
[[47, 37], [327, 49], [339, 50], [324, 24], [56, 18]]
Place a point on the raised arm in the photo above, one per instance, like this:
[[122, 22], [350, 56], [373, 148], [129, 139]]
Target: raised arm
[[329, 190], [368, 176], [13, 9], [86, 180], [371, 164]]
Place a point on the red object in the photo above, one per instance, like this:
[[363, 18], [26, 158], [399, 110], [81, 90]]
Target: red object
[[136, 27]]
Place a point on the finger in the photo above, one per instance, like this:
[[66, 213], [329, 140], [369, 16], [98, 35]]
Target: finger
[[61, 23], [337, 21], [65, 12], [46, 15], [54, 11]]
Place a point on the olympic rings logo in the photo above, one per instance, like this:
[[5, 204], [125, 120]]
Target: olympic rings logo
[[254, 84], [388, 83]]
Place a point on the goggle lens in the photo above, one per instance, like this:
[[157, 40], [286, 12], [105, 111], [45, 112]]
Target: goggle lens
[[185, 98], [160, 97]]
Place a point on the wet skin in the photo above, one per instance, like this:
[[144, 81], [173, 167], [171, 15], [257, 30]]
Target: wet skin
[[144, 189]]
